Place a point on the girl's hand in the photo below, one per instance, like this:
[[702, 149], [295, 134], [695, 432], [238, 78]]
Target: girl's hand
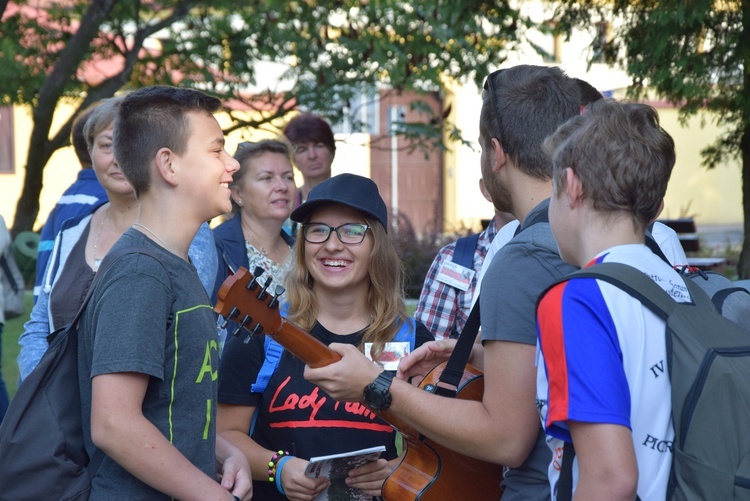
[[369, 477]]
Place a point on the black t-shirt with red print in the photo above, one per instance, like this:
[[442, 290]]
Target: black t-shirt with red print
[[295, 415]]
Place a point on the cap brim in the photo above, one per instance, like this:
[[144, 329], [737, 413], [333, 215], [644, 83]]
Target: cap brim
[[303, 212]]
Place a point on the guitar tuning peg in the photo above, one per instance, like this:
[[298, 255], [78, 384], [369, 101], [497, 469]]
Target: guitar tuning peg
[[263, 292], [256, 331], [232, 313], [277, 292], [257, 272], [245, 320]]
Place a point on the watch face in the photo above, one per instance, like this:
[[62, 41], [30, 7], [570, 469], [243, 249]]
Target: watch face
[[377, 397], [376, 400]]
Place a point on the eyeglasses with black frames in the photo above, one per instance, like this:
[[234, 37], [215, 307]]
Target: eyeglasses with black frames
[[349, 233], [489, 87]]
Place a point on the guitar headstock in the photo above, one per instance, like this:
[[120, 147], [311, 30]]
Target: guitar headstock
[[243, 299]]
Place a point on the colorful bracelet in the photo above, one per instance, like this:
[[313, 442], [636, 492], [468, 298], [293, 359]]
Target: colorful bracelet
[[272, 464]]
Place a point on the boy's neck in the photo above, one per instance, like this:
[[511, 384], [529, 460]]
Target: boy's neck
[[169, 228], [603, 231]]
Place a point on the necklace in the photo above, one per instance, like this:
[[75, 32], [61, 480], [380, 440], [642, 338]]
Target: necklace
[[259, 248], [98, 261], [262, 250], [154, 234], [250, 233]]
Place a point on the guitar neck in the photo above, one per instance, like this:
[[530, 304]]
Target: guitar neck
[[303, 345]]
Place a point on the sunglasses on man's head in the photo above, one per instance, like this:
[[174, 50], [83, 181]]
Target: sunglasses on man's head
[[489, 87]]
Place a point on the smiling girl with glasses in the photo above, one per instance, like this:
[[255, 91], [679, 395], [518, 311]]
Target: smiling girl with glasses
[[345, 288]]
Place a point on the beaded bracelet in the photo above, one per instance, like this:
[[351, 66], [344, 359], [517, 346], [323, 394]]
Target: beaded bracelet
[[272, 464]]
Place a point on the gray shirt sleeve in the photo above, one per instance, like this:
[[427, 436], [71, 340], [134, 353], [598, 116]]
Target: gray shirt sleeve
[[518, 274]]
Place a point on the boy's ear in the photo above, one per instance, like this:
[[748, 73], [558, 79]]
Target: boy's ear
[[573, 188], [164, 165]]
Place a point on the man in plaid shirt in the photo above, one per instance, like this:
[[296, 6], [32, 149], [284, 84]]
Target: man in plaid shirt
[[445, 303]]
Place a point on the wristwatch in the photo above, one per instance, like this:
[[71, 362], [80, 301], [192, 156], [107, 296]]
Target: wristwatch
[[377, 395]]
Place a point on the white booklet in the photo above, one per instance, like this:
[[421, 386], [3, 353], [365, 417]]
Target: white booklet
[[336, 467]]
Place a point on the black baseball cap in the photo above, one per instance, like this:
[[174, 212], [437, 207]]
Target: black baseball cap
[[354, 191]]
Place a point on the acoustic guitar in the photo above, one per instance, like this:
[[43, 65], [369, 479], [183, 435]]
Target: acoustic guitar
[[428, 471]]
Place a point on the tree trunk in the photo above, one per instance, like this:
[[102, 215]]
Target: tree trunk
[[40, 145], [743, 266], [27, 208], [3, 5]]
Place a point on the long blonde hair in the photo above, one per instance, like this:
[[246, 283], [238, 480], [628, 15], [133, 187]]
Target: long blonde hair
[[385, 295]]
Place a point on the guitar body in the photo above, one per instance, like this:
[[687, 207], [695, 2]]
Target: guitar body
[[431, 472]]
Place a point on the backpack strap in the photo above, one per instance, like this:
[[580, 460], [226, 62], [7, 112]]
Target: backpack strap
[[8, 274], [640, 286], [721, 296], [272, 354], [273, 351], [407, 333], [463, 254], [107, 263], [565, 484]]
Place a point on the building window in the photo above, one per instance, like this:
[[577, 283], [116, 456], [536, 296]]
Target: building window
[[7, 156], [361, 115]]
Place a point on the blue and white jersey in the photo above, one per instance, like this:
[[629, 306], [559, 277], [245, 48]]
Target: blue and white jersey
[[601, 358]]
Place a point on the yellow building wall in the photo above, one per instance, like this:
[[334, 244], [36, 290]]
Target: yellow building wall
[[60, 172], [710, 196]]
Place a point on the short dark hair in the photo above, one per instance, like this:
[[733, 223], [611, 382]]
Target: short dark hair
[[589, 94], [152, 118], [532, 101], [621, 154], [308, 127], [78, 138]]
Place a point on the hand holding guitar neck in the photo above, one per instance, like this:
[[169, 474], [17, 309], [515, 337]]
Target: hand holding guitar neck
[[243, 299]]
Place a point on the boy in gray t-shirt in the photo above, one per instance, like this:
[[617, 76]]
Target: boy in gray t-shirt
[[148, 351]]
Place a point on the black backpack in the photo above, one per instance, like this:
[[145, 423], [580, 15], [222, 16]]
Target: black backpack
[[708, 357], [42, 452]]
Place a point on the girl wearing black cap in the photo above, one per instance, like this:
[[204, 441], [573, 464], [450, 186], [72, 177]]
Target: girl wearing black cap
[[344, 287]]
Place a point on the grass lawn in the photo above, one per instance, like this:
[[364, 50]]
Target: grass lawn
[[11, 331]]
